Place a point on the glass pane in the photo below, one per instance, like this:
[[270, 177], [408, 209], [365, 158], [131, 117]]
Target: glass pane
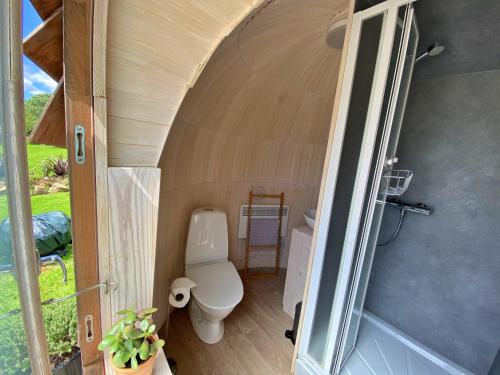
[[13, 351], [358, 107]]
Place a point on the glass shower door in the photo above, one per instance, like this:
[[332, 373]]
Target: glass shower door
[[399, 78], [377, 45]]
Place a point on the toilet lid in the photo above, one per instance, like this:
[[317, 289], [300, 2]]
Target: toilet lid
[[218, 285]]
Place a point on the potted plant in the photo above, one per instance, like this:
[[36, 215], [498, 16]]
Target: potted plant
[[133, 343]]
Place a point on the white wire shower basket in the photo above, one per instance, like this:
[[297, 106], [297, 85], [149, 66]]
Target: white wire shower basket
[[398, 181]]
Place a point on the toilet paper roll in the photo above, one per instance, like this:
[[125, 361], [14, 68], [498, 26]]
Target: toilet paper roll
[[180, 291]]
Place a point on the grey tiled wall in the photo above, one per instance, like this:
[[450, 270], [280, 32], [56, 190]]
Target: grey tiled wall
[[440, 280]]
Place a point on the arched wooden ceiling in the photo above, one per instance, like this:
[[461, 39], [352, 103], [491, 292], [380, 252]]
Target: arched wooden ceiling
[[155, 51], [273, 78]]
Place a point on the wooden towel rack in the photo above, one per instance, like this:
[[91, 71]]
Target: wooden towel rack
[[274, 246]]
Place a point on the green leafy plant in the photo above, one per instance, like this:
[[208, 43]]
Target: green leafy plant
[[132, 340], [57, 166], [61, 330]]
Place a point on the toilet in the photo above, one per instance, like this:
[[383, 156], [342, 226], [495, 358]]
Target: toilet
[[218, 285]]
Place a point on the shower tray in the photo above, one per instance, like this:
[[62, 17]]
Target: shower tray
[[381, 349]]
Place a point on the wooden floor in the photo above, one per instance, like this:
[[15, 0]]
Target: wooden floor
[[253, 342]]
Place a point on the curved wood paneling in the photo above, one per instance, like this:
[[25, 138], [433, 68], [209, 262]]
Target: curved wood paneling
[[259, 115], [155, 51]]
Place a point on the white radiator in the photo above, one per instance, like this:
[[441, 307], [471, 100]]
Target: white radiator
[[264, 222]]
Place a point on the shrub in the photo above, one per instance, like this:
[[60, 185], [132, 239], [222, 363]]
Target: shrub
[[60, 328], [57, 166]]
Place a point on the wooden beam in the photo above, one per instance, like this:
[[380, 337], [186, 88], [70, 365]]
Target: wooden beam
[[50, 128], [44, 46], [101, 159], [79, 111], [45, 8]]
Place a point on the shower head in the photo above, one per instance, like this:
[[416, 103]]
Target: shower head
[[335, 34], [433, 50]]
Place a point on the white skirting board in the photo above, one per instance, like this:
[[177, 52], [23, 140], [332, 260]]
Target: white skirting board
[[381, 349]]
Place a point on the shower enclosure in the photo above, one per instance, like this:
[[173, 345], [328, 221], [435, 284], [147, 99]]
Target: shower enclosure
[[379, 63]]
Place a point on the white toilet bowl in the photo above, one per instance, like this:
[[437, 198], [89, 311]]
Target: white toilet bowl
[[207, 323], [218, 285]]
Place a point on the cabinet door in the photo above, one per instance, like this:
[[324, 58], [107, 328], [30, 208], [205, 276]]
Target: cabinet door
[[363, 123], [291, 276]]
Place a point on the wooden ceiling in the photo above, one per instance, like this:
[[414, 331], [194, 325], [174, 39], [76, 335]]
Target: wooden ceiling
[[155, 51]]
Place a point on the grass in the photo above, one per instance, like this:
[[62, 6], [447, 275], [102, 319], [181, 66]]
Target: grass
[[51, 284], [51, 278], [41, 204], [38, 153], [60, 319]]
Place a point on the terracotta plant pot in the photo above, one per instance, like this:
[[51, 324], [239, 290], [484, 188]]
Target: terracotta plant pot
[[145, 368]]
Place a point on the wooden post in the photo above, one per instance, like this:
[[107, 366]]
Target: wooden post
[[16, 165], [249, 224], [77, 37]]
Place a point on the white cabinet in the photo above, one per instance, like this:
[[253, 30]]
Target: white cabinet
[[298, 259]]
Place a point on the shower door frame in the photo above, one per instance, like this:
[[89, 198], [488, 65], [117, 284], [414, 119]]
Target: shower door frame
[[303, 362]]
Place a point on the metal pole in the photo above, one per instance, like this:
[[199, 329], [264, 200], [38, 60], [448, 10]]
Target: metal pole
[[14, 143]]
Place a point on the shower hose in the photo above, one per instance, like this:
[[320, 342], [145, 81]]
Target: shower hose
[[402, 216]]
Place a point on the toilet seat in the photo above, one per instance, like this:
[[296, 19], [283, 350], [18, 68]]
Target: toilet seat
[[218, 285]]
